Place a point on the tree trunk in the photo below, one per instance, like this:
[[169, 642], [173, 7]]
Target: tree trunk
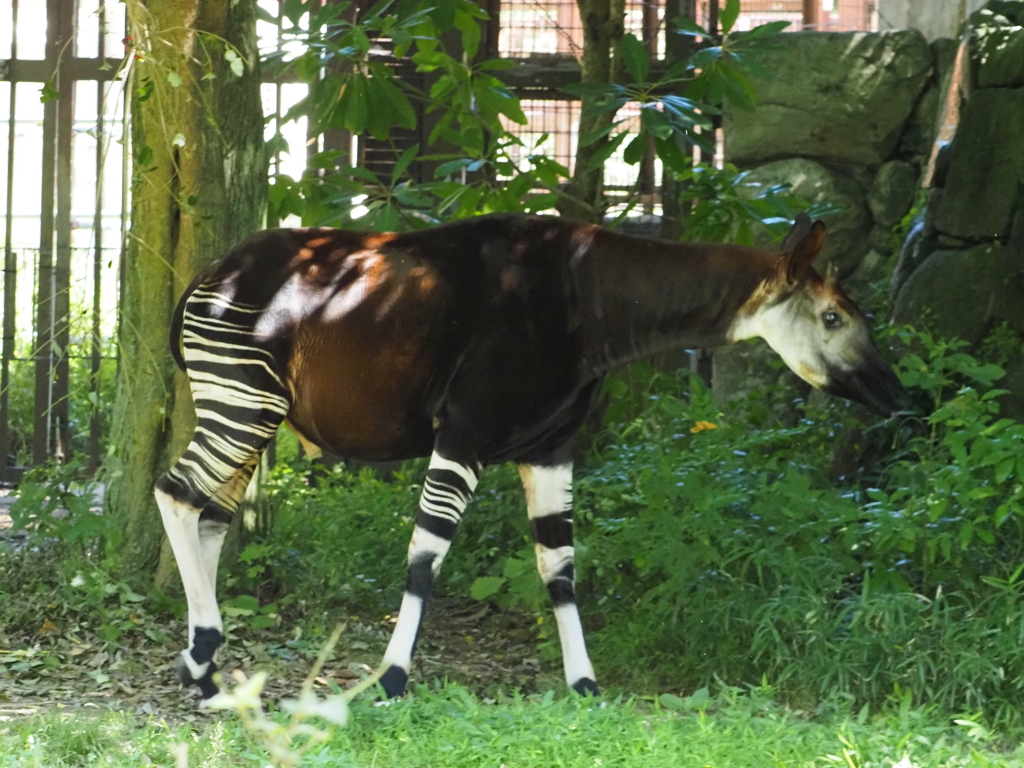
[[199, 186], [603, 25]]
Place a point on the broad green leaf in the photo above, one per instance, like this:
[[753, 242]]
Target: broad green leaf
[[687, 26], [355, 103], [470, 29], [634, 152], [602, 155], [596, 135], [262, 622], [671, 701], [761, 30], [486, 586], [307, 66], [655, 123], [729, 15], [634, 57], [403, 162], [592, 89]]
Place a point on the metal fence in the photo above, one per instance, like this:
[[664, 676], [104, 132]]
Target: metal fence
[[64, 204]]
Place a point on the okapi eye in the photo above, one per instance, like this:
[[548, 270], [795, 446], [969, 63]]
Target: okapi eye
[[831, 319]]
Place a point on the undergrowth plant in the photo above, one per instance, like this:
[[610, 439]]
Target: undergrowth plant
[[719, 544]]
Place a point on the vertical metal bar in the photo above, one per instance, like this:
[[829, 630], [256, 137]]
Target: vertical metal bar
[[62, 271], [312, 137], [96, 342], [812, 14], [44, 284], [10, 270]]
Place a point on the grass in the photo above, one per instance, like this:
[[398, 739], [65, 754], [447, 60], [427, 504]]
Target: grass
[[448, 726]]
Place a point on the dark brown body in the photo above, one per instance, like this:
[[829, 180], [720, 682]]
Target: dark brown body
[[504, 324]]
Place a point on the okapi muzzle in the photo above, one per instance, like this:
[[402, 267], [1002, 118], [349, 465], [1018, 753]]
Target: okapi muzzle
[[872, 383]]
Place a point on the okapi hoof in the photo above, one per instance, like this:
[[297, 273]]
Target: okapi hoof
[[586, 687], [204, 682], [393, 681]]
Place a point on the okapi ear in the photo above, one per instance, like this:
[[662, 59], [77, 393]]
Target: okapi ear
[[801, 226], [798, 260]]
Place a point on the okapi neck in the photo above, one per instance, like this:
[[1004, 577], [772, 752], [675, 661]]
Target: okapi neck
[[652, 296]]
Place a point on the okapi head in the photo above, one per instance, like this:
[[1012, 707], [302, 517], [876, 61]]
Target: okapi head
[[816, 328]]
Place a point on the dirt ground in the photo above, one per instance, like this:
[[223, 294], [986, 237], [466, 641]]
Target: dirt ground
[[462, 641]]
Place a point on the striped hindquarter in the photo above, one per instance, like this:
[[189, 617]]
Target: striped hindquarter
[[240, 400]]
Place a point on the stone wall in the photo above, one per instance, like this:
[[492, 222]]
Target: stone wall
[[847, 118], [852, 119], [961, 270], [934, 18]]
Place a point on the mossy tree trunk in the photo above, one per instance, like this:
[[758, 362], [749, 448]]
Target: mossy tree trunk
[[199, 187], [603, 27]]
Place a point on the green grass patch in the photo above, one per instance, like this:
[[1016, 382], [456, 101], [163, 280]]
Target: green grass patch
[[451, 727]]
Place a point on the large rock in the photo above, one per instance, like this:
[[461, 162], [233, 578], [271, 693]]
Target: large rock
[[997, 45], [962, 294], [892, 192], [986, 165], [847, 239], [839, 97]]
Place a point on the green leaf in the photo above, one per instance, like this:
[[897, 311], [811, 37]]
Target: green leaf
[[174, 79], [729, 15], [403, 162], [49, 93], [635, 150], [592, 89], [687, 26], [470, 29], [493, 64], [655, 123], [235, 61], [601, 156], [245, 603], [486, 586], [355, 101], [262, 622], [762, 30], [634, 56], [594, 136], [307, 66], [671, 701]]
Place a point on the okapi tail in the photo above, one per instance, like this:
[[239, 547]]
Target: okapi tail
[[178, 319]]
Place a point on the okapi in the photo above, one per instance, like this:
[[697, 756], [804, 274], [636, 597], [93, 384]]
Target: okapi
[[477, 342]]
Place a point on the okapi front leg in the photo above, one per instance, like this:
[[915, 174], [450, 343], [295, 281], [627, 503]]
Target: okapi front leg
[[549, 505], [446, 493]]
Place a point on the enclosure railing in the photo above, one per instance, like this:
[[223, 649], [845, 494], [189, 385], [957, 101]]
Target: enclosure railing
[[65, 205]]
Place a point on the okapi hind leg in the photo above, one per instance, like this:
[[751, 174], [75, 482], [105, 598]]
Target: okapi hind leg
[[447, 491], [196, 536], [205, 629], [549, 506]]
